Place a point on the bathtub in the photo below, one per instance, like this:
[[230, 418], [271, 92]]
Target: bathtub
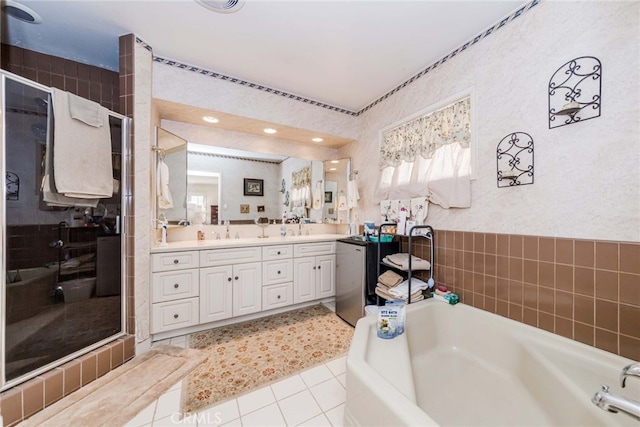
[[458, 365], [31, 294]]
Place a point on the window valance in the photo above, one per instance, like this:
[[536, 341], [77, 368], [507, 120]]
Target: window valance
[[423, 135]]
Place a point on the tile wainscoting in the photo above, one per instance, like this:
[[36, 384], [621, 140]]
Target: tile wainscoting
[[586, 290]]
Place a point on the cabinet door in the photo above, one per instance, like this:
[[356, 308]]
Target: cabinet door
[[216, 286], [325, 276], [247, 288], [304, 279], [274, 272]]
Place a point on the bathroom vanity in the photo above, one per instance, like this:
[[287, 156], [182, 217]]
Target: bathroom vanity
[[200, 285]]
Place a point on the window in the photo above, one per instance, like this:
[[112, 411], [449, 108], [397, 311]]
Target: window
[[429, 156]]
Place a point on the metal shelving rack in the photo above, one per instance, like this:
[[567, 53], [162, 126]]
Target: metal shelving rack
[[429, 234]]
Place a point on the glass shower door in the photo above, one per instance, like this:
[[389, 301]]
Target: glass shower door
[[62, 264]]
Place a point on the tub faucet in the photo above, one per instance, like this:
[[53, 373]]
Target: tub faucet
[[613, 403], [632, 370]]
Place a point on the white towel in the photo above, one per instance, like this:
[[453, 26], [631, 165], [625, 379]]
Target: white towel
[[318, 196], [419, 209], [401, 260], [352, 194], [165, 201], [81, 153], [342, 202], [86, 111], [402, 290]]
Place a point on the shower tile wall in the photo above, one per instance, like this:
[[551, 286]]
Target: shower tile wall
[[102, 86], [97, 84], [586, 290]]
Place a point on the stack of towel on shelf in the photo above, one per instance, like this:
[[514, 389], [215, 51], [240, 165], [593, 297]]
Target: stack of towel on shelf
[[392, 286], [401, 261]]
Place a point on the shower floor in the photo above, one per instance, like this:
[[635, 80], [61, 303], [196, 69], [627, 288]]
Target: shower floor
[[58, 331]]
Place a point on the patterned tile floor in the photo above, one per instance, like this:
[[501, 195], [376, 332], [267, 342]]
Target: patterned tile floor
[[314, 397]]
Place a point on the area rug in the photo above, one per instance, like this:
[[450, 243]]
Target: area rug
[[118, 396], [248, 355]]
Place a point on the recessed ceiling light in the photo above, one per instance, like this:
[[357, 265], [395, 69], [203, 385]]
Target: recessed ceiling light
[[270, 131], [332, 169], [21, 12], [210, 119], [335, 161], [317, 139]]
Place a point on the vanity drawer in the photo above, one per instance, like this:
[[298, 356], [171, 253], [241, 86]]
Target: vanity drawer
[[277, 272], [173, 285], [216, 257], [175, 314], [174, 261], [309, 249], [270, 253], [276, 296]]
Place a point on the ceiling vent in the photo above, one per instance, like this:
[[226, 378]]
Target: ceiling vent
[[222, 6], [20, 12]]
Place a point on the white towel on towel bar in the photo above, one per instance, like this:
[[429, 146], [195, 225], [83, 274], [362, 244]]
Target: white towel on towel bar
[[165, 201], [81, 153]]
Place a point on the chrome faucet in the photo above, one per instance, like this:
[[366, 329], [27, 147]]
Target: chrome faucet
[[614, 403], [632, 370]]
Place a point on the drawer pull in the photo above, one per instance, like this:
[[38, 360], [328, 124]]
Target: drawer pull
[[314, 267], [176, 286], [229, 279], [175, 261], [278, 252], [236, 277], [319, 267], [175, 316], [278, 296], [279, 272]]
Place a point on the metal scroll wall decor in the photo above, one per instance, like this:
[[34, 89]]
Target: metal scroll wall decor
[[13, 186], [575, 92], [515, 160]]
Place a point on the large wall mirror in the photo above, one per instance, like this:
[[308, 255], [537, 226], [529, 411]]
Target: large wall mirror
[[210, 185]]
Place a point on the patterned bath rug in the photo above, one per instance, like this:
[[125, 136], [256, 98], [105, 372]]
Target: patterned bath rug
[[245, 356]]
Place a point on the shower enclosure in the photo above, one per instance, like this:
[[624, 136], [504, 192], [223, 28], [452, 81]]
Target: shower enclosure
[[62, 284]]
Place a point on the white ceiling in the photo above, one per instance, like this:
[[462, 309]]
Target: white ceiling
[[343, 53]]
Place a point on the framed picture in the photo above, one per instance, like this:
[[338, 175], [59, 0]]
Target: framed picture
[[328, 196], [253, 187], [260, 208], [331, 211], [244, 208]]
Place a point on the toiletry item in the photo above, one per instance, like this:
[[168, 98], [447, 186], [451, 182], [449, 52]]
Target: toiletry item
[[387, 326], [402, 312], [200, 235], [449, 298], [369, 227]]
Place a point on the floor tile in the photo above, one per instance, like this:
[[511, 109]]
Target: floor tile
[[176, 419], [288, 386], [233, 423], [336, 416], [329, 394], [265, 417], [299, 407], [168, 405], [337, 366], [222, 413], [319, 421], [343, 380], [144, 417], [255, 400], [316, 375]]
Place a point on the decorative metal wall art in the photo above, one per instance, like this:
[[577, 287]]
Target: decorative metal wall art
[[575, 91], [13, 186], [515, 160]]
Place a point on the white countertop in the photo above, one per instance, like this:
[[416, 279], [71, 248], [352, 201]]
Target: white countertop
[[189, 245]]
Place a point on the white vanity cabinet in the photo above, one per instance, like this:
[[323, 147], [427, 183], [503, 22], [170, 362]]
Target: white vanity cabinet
[[314, 273], [174, 290], [195, 287], [230, 283], [277, 276]]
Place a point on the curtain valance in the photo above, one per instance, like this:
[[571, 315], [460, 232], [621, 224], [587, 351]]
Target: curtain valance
[[423, 135]]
